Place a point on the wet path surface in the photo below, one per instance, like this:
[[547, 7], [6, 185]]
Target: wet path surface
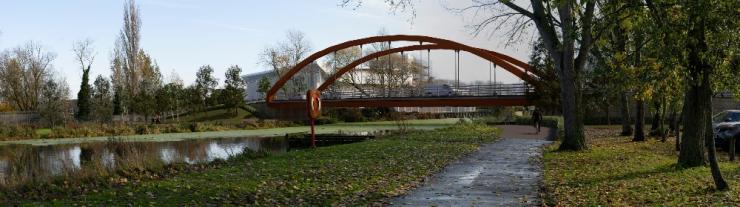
[[499, 174]]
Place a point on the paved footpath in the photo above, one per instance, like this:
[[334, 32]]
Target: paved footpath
[[499, 174]]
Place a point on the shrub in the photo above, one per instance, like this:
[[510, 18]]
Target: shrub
[[325, 120], [426, 116], [18, 132], [153, 129], [249, 123], [349, 115], [171, 128], [142, 129], [195, 127], [120, 130], [214, 127], [61, 132], [376, 113]]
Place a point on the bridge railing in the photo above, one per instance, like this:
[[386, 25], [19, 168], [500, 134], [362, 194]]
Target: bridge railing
[[494, 90]]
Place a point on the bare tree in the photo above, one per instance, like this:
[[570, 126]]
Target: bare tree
[[285, 56], [116, 67], [126, 61], [117, 79], [84, 53], [23, 72], [390, 72], [395, 6], [340, 59], [175, 78], [135, 75]]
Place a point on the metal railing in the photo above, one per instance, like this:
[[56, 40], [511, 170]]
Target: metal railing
[[432, 91]]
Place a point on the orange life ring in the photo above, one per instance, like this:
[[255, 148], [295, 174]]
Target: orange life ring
[[313, 98]]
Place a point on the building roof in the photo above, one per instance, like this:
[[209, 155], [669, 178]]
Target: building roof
[[257, 74]]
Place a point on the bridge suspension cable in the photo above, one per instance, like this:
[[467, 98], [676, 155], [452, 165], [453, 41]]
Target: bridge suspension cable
[[457, 68], [526, 86], [429, 65], [490, 71], [362, 54]]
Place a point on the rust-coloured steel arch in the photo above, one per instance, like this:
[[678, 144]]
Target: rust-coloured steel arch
[[523, 74], [514, 66]]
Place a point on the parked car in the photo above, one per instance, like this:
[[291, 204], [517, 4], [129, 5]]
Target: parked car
[[726, 125]]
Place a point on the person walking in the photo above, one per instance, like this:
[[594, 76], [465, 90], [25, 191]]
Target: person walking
[[536, 119]]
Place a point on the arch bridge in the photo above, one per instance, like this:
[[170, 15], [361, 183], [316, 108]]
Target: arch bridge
[[448, 95]]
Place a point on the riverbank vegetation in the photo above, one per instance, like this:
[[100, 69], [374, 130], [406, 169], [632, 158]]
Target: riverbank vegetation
[[618, 172], [268, 129], [8, 133], [353, 174]]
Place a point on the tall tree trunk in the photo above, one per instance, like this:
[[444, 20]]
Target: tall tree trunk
[[569, 86], [692, 145], [625, 109], [698, 100], [732, 149], [677, 131], [639, 121], [655, 119], [705, 100], [672, 120], [640, 103], [563, 53], [608, 115], [719, 181], [661, 120], [624, 104]]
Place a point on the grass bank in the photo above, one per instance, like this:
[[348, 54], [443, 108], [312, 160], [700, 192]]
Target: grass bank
[[618, 172], [269, 132], [365, 173]]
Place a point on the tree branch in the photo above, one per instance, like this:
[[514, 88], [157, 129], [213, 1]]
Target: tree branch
[[587, 33]]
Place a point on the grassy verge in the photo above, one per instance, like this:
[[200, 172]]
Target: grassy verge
[[223, 115], [618, 172], [364, 173], [269, 132]]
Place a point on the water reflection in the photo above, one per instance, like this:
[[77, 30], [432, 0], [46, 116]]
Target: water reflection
[[24, 163]]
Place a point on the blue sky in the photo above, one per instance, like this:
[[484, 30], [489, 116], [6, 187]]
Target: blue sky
[[182, 35]]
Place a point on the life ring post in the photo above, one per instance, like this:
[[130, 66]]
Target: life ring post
[[313, 105], [313, 133]]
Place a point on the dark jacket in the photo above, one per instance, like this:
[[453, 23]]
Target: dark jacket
[[536, 116]]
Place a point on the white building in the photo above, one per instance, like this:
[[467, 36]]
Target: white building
[[313, 76]]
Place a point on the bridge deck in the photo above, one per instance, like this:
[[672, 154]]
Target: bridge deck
[[517, 100]]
